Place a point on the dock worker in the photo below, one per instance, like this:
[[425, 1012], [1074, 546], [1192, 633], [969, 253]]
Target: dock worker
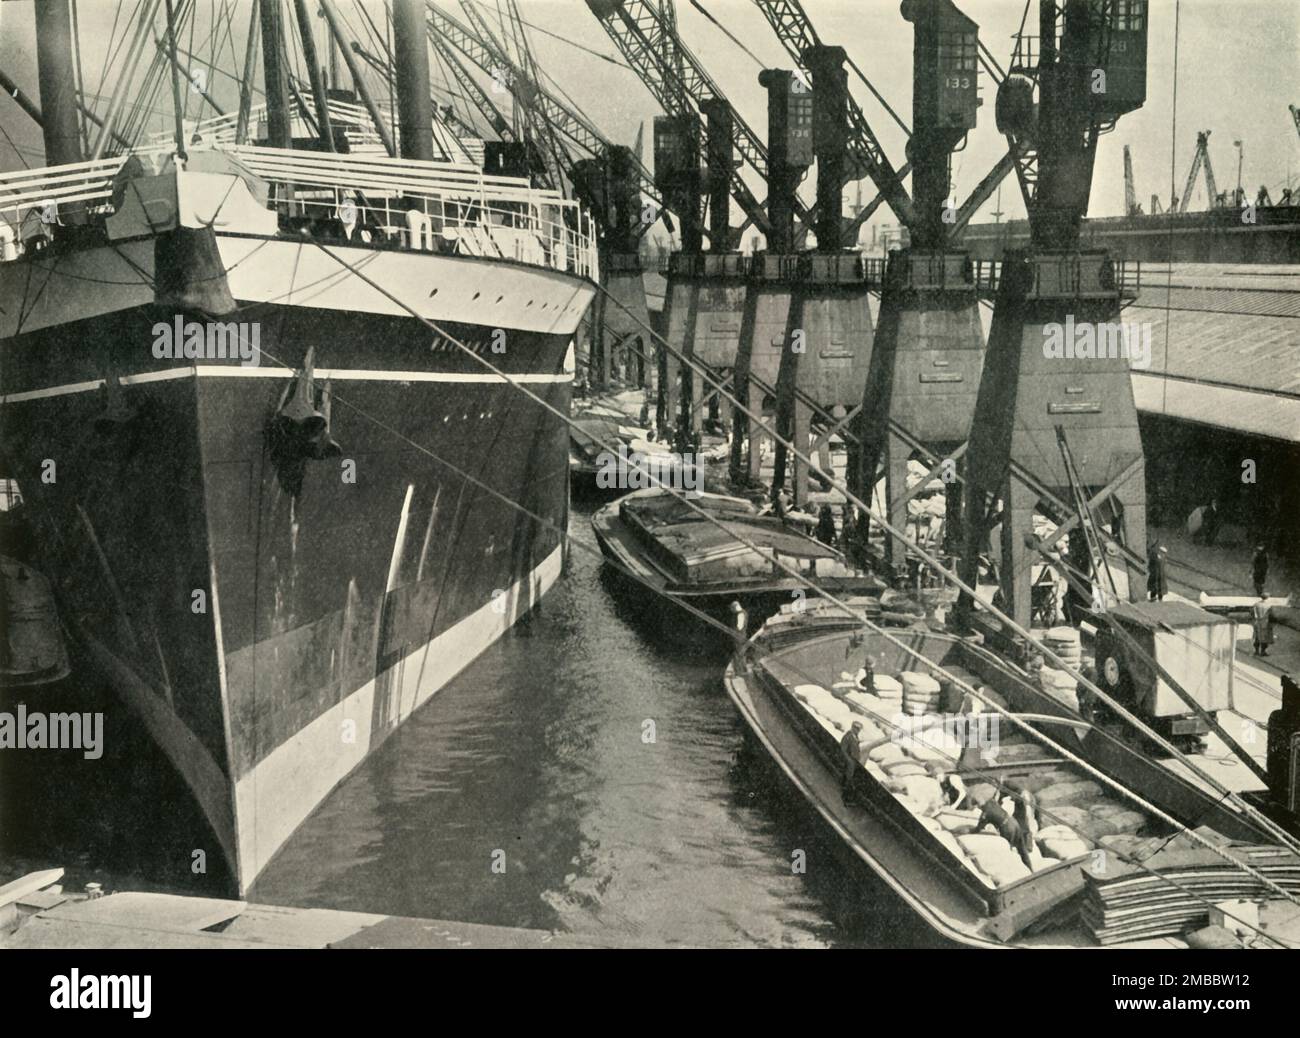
[[1261, 623], [955, 793], [1157, 584], [851, 754], [1017, 831], [867, 674], [1259, 569], [826, 526]]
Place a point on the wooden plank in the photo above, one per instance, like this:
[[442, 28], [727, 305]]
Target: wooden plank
[[28, 884], [44, 932], [146, 911]]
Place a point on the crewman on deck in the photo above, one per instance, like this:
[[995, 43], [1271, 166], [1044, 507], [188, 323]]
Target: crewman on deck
[[1259, 569], [1261, 622], [1157, 585], [851, 754]]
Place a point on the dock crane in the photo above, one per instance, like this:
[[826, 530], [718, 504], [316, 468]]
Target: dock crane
[[1064, 88], [1201, 158], [646, 36], [455, 40], [797, 34]]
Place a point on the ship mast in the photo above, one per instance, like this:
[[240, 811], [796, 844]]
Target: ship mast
[[411, 59], [278, 131], [58, 84]]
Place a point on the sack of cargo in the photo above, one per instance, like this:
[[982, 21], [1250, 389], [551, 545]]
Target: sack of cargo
[[924, 791], [904, 768], [886, 753], [950, 842], [996, 860], [1120, 818], [1068, 792], [868, 704], [918, 684], [887, 688], [1061, 687], [811, 694], [1063, 847], [983, 843], [837, 713], [959, 823], [1066, 817], [925, 753]]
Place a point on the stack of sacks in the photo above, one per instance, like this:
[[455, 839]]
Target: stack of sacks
[[994, 857], [1068, 791], [921, 693], [871, 732], [889, 691], [1060, 686], [1064, 641], [837, 715], [829, 710], [1060, 841]]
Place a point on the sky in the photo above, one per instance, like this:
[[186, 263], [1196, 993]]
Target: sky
[[1238, 70]]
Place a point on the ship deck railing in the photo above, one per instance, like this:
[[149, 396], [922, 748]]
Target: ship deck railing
[[411, 202], [354, 119], [476, 207], [43, 195]]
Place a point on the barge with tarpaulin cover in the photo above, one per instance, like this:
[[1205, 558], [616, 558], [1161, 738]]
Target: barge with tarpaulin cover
[[719, 555]]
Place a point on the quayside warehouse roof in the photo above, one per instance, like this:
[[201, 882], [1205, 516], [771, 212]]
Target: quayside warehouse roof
[[1225, 346]]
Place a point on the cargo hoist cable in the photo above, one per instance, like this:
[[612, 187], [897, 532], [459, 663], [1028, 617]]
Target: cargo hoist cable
[[1261, 820], [858, 615]]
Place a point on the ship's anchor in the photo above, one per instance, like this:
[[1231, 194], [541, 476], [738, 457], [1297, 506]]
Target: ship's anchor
[[117, 412], [304, 429]]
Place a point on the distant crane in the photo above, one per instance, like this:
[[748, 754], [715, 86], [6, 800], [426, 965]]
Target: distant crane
[[1132, 207], [1202, 157]]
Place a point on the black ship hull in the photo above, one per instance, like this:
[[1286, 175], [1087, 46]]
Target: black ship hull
[[271, 617]]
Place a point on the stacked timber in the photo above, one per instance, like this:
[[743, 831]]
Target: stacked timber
[[1124, 901]]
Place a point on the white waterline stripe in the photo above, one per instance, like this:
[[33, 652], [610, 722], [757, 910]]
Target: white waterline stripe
[[233, 371]]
